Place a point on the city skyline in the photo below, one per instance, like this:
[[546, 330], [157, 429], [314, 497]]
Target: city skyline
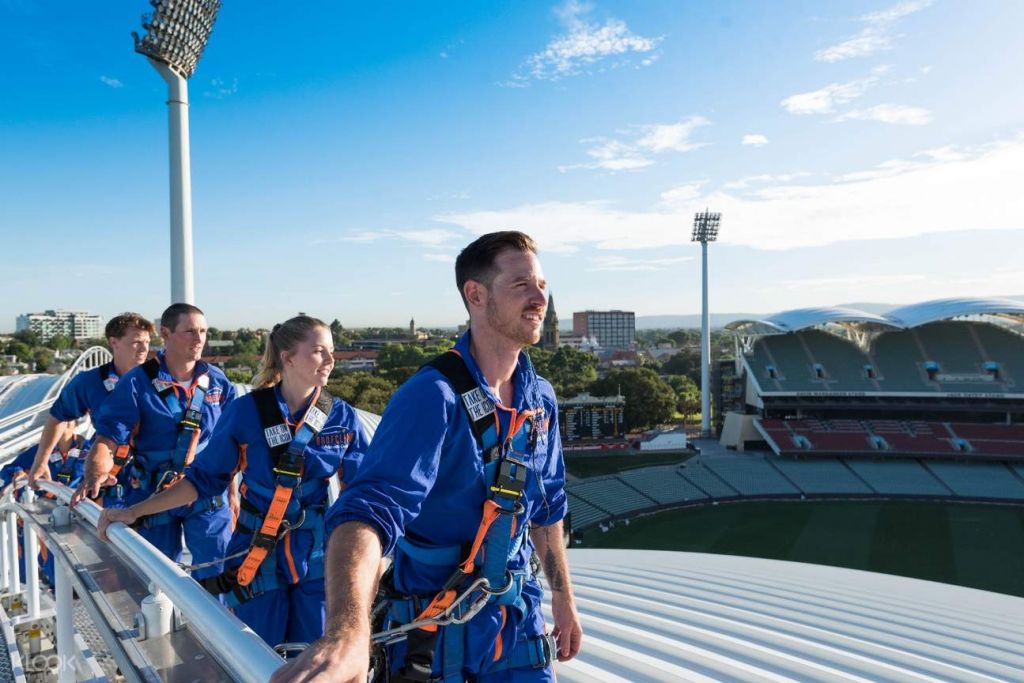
[[864, 151]]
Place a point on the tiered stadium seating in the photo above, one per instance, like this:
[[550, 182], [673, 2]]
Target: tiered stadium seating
[[842, 361], [979, 480], [791, 360], [608, 493], [898, 477], [751, 476], [706, 480], [822, 476], [898, 362], [664, 484], [1005, 348], [583, 513]]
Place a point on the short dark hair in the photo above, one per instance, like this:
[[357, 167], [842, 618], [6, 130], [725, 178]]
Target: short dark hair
[[169, 318], [476, 261], [119, 325]]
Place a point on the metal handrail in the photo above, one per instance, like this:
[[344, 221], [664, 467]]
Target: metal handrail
[[238, 649]]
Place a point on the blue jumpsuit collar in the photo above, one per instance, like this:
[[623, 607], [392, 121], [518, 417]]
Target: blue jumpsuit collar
[[524, 379], [201, 368], [282, 404]]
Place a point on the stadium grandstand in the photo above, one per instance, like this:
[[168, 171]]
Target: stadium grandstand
[[939, 379]]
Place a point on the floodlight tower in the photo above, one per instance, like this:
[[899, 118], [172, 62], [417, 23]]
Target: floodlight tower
[[176, 33], [705, 229]]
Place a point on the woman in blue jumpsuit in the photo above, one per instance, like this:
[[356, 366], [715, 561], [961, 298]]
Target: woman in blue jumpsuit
[[284, 601]]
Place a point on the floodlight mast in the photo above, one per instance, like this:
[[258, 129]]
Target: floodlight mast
[[176, 34], [705, 229]]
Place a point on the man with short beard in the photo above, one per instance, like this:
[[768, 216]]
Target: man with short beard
[[463, 480], [166, 409]]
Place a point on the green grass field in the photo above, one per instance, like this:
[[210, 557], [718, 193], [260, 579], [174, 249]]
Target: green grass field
[[611, 462], [975, 545]]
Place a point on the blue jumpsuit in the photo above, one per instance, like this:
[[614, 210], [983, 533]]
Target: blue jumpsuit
[[289, 605], [135, 406], [84, 395], [422, 480], [71, 463]]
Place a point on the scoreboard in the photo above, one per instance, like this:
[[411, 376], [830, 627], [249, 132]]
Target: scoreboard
[[592, 418]]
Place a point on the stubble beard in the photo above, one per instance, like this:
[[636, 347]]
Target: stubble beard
[[512, 330]]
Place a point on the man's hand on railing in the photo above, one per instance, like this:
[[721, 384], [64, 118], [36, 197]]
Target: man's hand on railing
[[40, 471], [111, 515], [90, 488], [329, 660]]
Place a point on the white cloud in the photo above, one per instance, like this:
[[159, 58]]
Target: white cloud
[[763, 178], [440, 258], [617, 263], [824, 100], [755, 139], [426, 237], [219, 89], [584, 43], [875, 36], [683, 193], [890, 113], [645, 140], [899, 198], [112, 82]]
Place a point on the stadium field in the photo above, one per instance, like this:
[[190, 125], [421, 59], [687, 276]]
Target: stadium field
[[976, 545]]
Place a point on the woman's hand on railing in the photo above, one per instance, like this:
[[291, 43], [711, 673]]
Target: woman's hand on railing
[[111, 515]]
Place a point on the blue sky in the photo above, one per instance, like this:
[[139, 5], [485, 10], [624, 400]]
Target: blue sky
[[343, 153]]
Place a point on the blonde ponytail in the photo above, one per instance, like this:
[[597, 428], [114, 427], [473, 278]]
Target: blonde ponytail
[[284, 337]]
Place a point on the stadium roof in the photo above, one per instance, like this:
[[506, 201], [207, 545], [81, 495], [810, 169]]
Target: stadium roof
[[802, 318], [914, 315], [944, 309], [677, 616]]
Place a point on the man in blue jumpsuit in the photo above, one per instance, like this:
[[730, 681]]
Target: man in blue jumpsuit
[[128, 335], [64, 465], [426, 483], [168, 408]]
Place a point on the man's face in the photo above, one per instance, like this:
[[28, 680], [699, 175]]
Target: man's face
[[187, 338], [517, 298], [131, 348]]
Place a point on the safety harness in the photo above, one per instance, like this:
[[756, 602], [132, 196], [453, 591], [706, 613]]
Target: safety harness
[[481, 577], [156, 470], [287, 453], [123, 452]]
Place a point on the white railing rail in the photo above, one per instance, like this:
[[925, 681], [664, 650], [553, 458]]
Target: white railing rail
[[242, 654]]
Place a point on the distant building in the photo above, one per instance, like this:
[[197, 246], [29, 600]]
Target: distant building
[[412, 328], [612, 329], [550, 337], [71, 324], [588, 344]]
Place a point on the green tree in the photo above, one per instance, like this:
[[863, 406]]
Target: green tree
[[238, 376], [687, 395], [43, 358], [363, 390], [59, 343], [570, 371], [686, 362], [649, 400]]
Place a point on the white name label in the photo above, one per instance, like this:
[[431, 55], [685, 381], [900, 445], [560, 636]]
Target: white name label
[[162, 385], [477, 404], [278, 435], [316, 418], [203, 382], [109, 383]]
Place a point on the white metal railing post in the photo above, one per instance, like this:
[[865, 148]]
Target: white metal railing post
[[66, 650], [13, 580], [5, 562], [31, 561]]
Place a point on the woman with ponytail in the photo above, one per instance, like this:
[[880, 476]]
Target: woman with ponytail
[[287, 437]]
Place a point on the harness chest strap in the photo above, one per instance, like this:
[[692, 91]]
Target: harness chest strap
[[505, 477], [287, 454]]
